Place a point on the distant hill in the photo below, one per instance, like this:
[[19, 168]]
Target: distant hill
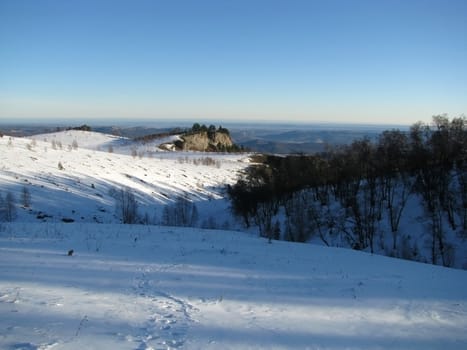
[[295, 140]]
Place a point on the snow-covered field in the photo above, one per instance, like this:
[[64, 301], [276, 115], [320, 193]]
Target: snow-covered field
[[74, 182], [153, 287], [144, 287]]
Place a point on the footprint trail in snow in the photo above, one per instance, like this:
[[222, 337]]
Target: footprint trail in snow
[[169, 317]]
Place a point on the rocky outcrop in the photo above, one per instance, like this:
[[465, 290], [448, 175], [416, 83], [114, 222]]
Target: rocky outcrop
[[203, 141]]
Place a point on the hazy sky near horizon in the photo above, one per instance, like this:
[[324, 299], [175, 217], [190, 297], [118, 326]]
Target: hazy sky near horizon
[[366, 61]]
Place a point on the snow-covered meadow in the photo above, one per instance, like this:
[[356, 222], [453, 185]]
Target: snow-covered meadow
[[67, 182], [143, 287], [154, 287]]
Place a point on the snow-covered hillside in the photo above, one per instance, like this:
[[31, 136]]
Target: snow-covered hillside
[[69, 176], [143, 287], [154, 287]]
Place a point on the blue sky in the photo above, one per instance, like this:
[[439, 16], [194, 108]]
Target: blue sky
[[368, 61]]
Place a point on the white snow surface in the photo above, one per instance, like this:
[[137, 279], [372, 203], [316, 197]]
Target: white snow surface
[[153, 287], [80, 189], [149, 287], [85, 139]]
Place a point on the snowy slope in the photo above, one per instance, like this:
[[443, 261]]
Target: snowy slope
[[143, 287], [151, 287], [85, 139], [74, 182], [102, 142]]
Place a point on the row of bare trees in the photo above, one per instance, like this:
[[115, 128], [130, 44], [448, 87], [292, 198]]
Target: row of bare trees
[[350, 190], [182, 212], [8, 204]]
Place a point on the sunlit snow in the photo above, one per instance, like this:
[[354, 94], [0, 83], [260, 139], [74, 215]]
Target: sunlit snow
[[153, 287]]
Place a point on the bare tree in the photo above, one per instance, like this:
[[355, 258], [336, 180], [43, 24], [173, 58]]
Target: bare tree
[[181, 213], [126, 205], [7, 207], [396, 182], [2, 209], [26, 197], [433, 179]]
